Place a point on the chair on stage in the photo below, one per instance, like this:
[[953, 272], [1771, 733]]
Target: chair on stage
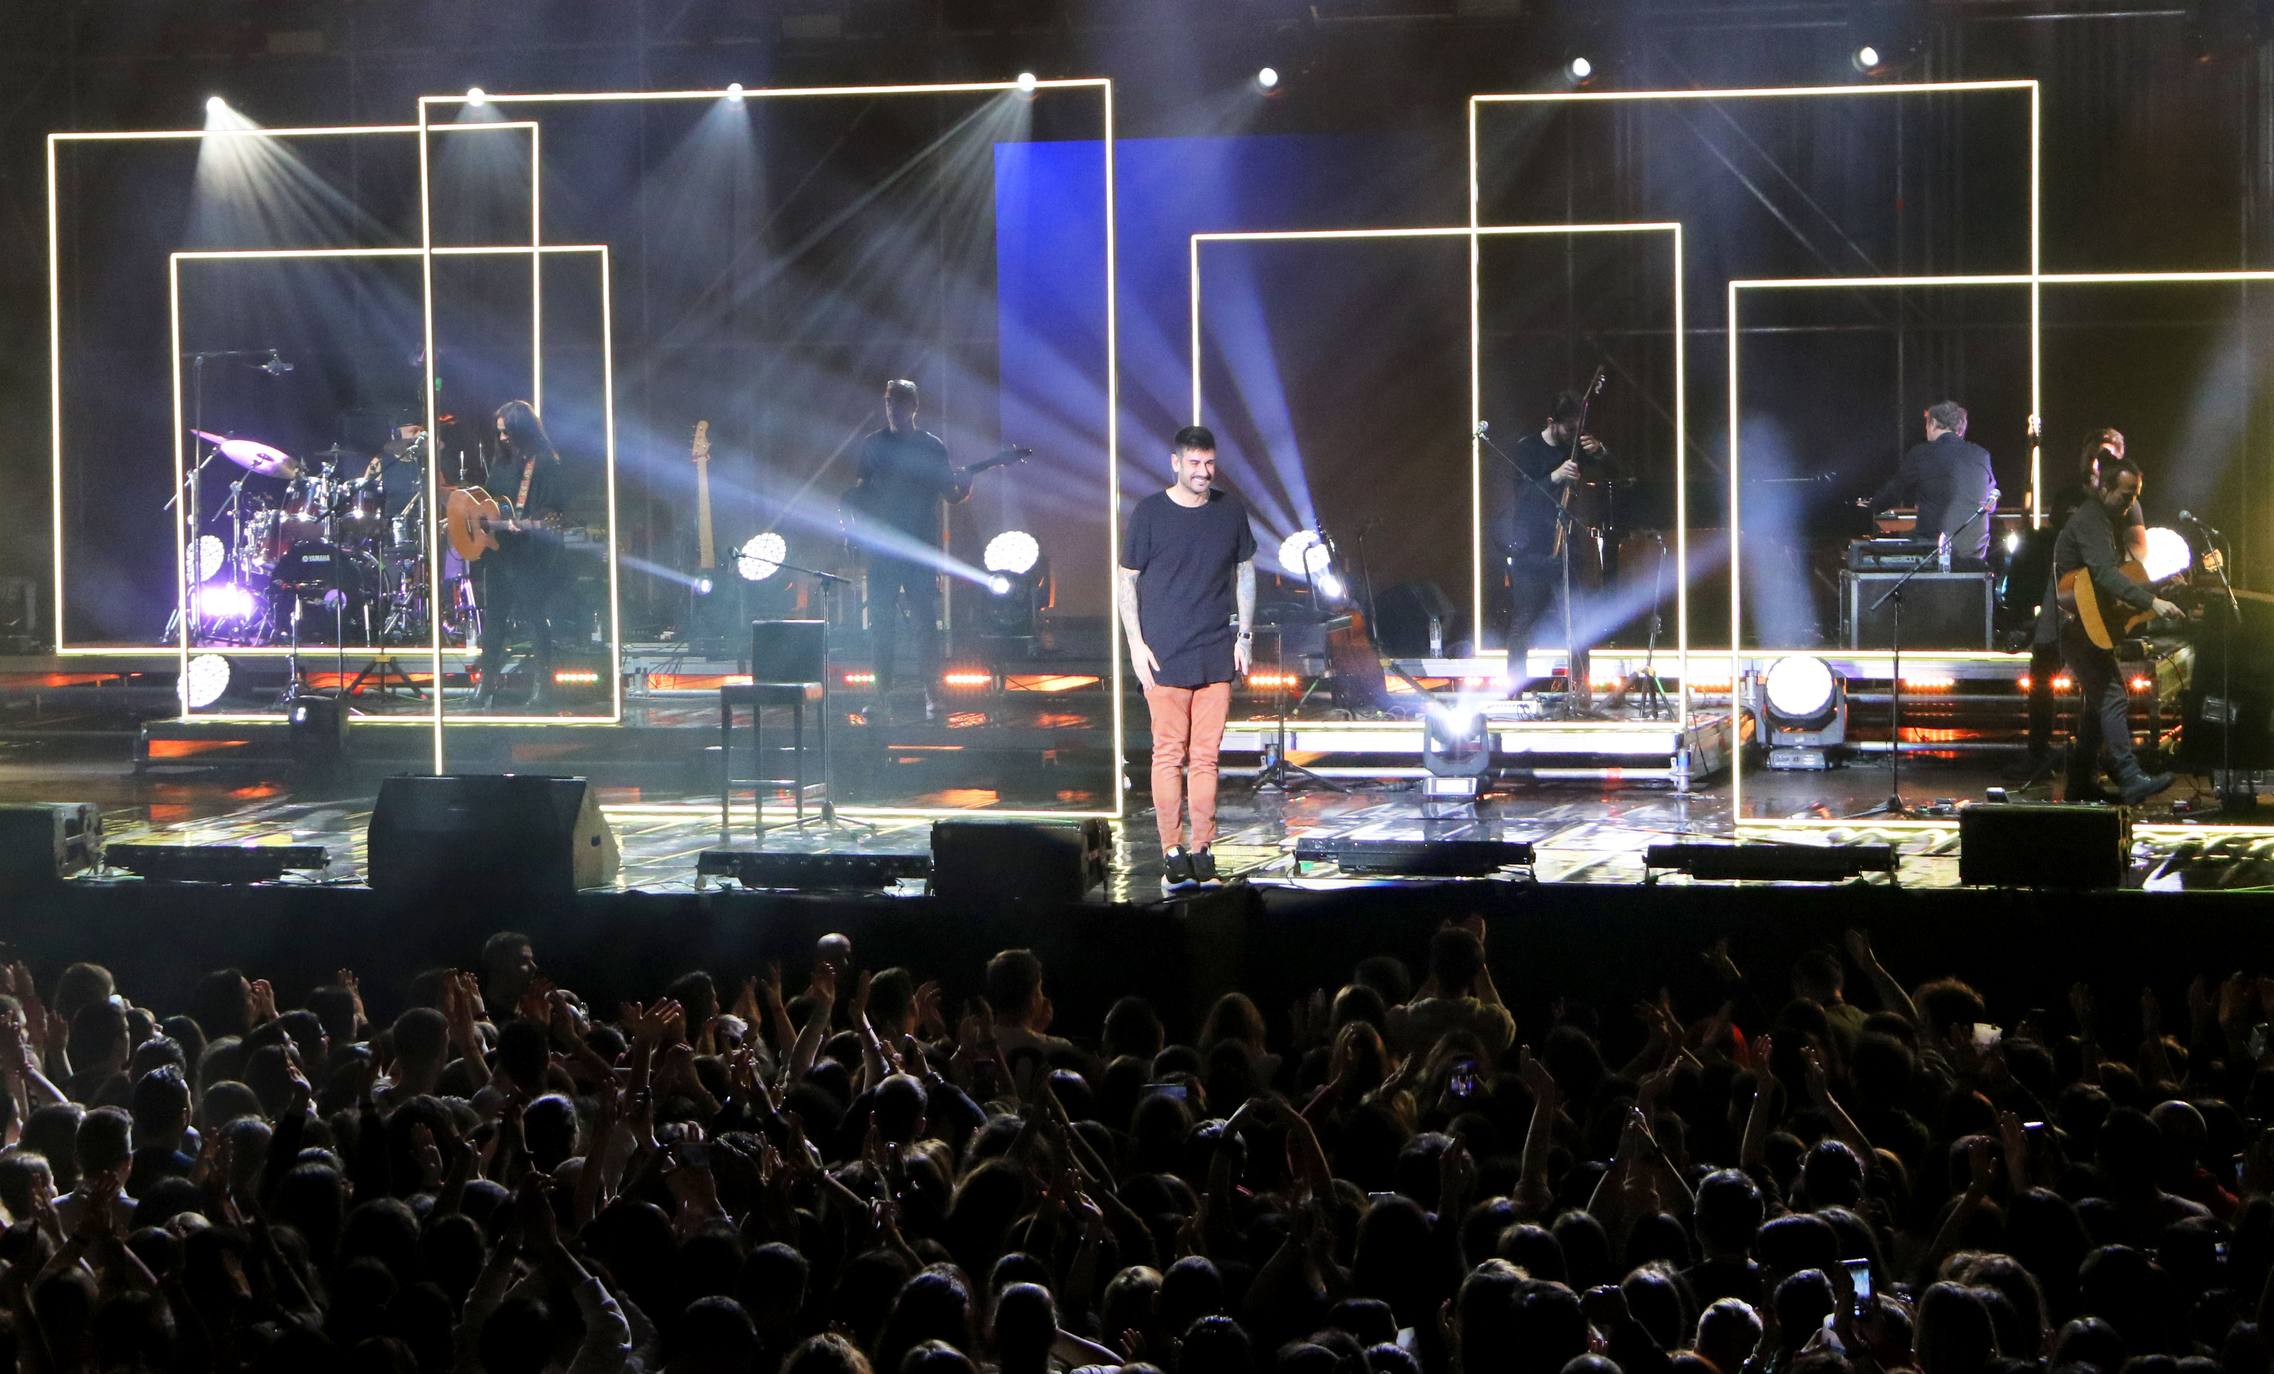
[[789, 666]]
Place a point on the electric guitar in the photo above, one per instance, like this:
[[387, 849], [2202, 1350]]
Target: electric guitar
[[706, 555], [2107, 626], [858, 505]]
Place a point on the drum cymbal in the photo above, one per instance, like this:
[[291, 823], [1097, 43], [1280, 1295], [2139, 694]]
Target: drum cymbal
[[262, 460]]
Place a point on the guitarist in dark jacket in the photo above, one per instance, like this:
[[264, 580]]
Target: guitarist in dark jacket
[[518, 580], [905, 477], [2088, 545]]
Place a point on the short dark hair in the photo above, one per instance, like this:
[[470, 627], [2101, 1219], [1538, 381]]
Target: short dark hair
[[1456, 957], [901, 386], [1950, 415], [1014, 980], [1194, 439], [106, 1140], [2114, 466], [160, 1102], [1566, 407]]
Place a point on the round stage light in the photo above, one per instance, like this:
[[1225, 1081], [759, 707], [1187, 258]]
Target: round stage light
[[2168, 554], [204, 558], [704, 586], [1866, 58], [1027, 83], [224, 602], [1267, 78], [734, 91], [761, 556], [1304, 553], [206, 680], [1579, 69], [1799, 687], [1013, 551], [477, 97], [215, 105], [999, 585]]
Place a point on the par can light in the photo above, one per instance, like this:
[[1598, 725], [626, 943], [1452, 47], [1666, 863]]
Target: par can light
[[761, 555], [1013, 551]]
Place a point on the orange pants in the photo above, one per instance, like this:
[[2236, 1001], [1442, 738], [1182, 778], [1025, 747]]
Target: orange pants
[[1188, 733]]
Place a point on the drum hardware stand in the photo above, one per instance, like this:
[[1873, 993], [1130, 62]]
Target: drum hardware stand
[[1277, 774], [826, 818], [1654, 700]]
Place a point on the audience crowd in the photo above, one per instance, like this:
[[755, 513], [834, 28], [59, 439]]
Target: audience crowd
[[1745, 1175]]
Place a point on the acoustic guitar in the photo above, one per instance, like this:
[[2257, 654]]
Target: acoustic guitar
[[471, 518], [2107, 626]]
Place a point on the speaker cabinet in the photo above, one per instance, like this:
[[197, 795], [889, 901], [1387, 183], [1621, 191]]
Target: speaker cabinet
[[46, 842], [1040, 862], [490, 834], [2037, 844]]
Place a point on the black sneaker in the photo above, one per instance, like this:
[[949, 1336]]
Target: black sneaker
[[1204, 869], [2143, 787], [1176, 874]]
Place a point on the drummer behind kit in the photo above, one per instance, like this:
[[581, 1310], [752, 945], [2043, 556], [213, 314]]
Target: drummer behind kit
[[340, 555]]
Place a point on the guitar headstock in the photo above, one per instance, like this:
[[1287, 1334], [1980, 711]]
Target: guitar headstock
[[702, 447], [1008, 454], [2213, 560]]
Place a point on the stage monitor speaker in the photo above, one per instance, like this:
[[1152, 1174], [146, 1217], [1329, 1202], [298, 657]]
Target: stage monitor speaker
[[1039, 862], [2039, 844], [490, 834], [788, 652], [46, 842], [1941, 610]]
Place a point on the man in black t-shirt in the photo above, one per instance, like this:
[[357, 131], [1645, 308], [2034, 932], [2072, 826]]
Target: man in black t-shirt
[[1187, 568], [905, 477], [1546, 468]]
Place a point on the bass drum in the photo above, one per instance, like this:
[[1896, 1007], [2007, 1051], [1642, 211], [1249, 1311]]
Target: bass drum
[[310, 570]]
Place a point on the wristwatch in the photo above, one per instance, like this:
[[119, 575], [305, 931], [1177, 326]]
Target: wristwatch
[[1246, 635]]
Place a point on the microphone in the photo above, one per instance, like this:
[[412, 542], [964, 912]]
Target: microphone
[[276, 366], [2190, 518], [1484, 427]]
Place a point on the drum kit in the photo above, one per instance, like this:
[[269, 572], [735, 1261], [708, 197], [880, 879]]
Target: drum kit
[[328, 558]]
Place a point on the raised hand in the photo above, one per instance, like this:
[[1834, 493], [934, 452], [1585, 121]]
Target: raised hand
[[858, 1007], [929, 1019], [264, 1001], [822, 986], [346, 979]]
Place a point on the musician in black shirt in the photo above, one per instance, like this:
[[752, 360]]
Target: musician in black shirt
[[520, 578], [2089, 544], [2034, 565], [1949, 480], [1548, 467], [905, 478]]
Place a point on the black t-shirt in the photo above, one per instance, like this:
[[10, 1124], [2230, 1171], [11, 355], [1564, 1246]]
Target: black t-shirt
[[1533, 521], [904, 477], [1184, 557]]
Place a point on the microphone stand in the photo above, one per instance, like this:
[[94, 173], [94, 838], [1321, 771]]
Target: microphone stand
[[1894, 805], [2230, 801]]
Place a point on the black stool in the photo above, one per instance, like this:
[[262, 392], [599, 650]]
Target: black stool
[[788, 661]]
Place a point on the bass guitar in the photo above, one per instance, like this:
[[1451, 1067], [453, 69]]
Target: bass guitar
[[858, 505]]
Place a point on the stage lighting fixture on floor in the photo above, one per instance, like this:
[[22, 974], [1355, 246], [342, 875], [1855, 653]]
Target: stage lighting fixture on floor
[[1456, 749], [477, 97], [760, 556], [1019, 580], [1579, 71], [1026, 83], [1865, 59], [317, 731], [1801, 709], [734, 91], [1769, 863], [215, 105], [1012, 551], [1267, 79], [1414, 858], [1306, 554]]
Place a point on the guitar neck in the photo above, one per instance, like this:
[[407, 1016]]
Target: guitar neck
[[706, 550]]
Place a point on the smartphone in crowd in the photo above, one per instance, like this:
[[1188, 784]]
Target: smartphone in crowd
[[1173, 1090], [1859, 1279], [1462, 1082], [1987, 1036]]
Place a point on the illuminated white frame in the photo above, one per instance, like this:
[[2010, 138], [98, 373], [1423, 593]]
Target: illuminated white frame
[[2035, 282], [1681, 462], [1474, 233], [64, 649], [437, 719], [1103, 85]]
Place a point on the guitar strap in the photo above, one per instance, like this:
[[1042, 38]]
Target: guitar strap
[[528, 472]]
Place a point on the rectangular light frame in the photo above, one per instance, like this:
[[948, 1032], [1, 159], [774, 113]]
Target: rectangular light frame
[[1475, 234], [436, 720], [2035, 281], [1103, 85], [63, 648], [1681, 461]]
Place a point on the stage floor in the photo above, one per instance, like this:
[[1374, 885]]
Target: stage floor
[[1583, 832]]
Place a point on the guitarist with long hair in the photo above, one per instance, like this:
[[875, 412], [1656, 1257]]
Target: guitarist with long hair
[[2089, 548], [518, 579]]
